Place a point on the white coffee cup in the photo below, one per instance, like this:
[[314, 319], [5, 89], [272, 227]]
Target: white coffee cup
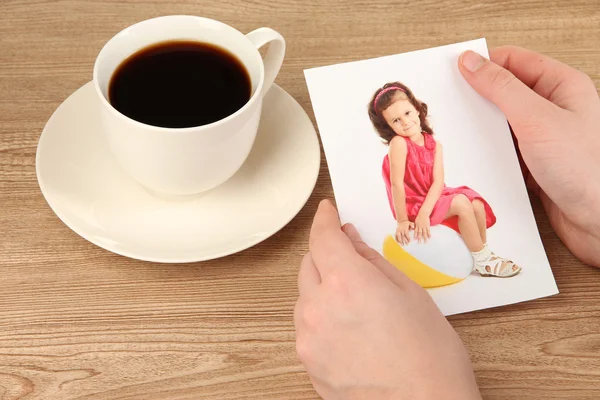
[[184, 161]]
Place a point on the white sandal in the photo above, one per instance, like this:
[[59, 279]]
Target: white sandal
[[498, 267]]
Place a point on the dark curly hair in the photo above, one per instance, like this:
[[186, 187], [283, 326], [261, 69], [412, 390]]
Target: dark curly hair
[[385, 100]]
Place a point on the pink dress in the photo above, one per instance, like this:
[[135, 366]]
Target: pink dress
[[418, 177]]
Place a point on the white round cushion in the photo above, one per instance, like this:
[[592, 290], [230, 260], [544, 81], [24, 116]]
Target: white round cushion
[[445, 252]]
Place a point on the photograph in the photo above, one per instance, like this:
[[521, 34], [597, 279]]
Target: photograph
[[427, 171]]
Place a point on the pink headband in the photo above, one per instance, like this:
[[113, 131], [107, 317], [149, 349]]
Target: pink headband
[[387, 89]]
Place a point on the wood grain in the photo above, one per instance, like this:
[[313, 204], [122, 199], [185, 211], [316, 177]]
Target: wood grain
[[77, 322]]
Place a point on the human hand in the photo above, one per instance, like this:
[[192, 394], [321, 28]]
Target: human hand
[[403, 232], [364, 330], [422, 231], [554, 112]]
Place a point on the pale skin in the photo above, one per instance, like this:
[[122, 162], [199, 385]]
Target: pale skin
[[366, 331], [354, 310], [402, 116]]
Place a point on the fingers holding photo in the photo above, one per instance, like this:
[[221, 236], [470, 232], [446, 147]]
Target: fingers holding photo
[[328, 244], [558, 82]]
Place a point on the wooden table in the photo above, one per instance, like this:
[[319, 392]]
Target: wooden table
[[78, 322]]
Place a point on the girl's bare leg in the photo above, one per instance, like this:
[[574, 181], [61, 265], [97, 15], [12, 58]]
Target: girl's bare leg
[[467, 222], [472, 227], [481, 219]]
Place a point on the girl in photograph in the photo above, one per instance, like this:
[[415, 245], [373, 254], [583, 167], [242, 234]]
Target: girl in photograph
[[413, 172]]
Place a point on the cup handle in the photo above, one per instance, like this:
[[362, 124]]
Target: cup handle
[[275, 54]]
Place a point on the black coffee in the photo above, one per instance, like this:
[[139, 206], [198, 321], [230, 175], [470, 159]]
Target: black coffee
[[179, 84]]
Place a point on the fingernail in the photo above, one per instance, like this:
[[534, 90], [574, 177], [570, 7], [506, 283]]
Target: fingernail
[[471, 60]]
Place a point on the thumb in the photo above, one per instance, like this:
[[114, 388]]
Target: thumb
[[371, 255], [521, 105]]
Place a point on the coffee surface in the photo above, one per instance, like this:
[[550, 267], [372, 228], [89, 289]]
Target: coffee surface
[[180, 84]]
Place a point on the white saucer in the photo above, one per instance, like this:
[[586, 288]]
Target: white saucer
[[95, 198]]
